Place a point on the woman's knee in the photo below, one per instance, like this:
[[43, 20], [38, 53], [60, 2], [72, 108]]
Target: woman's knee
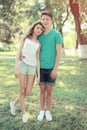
[[27, 94], [22, 92]]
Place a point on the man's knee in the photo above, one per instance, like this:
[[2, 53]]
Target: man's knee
[[42, 89]]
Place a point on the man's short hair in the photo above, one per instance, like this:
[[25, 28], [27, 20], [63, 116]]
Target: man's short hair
[[46, 12]]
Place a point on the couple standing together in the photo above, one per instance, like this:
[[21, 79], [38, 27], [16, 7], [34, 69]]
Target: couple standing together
[[39, 53]]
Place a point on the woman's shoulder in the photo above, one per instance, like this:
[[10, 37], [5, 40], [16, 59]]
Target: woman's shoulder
[[38, 43], [27, 40]]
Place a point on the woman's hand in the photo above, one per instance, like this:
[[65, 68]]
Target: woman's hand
[[16, 75], [37, 80]]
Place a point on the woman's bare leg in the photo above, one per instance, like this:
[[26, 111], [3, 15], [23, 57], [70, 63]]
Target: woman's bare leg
[[16, 101], [22, 80], [29, 84]]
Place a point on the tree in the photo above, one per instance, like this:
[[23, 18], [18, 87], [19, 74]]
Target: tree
[[81, 39], [6, 20], [15, 13], [59, 10], [12, 14]]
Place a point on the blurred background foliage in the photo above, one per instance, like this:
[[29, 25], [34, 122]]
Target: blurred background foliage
[[17, 15]]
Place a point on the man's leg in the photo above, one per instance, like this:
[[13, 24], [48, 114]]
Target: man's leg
[[42, 102], [49, 97], [42, 96], [49, 102]]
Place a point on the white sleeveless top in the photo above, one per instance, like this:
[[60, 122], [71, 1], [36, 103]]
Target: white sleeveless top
[[29, 51]]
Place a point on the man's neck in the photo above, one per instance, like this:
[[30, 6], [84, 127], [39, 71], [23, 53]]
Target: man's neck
[[47, 30]]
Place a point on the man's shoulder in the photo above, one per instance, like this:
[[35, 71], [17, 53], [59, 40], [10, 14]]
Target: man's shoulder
[[55, 31]]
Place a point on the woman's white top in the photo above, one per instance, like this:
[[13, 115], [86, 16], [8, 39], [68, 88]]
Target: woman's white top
[[29, 51]]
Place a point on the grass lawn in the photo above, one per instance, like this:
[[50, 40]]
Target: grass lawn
[[69, 108]]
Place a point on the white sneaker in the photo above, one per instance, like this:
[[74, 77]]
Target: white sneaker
[[48, 116], [40, 116], [12, 108], [24, 118]]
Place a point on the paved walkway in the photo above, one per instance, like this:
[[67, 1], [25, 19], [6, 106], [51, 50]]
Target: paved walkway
[[8, 57], [66, 51], [13, 57]]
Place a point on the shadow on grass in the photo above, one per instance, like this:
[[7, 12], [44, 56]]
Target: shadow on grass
[[69, 108]]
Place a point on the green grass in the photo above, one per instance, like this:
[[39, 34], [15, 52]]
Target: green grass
[[69, 108]]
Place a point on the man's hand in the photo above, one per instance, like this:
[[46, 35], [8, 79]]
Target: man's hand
[[21, 56], [53, 74]]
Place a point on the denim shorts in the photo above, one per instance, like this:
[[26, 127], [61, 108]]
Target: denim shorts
[[45, 77], [26, 69]]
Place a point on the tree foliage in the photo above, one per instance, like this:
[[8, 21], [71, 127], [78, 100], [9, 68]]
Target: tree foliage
[[16, 15], [12, 14], [77, 13], [6, 20]]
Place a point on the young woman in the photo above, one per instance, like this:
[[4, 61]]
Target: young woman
[[27, 63]]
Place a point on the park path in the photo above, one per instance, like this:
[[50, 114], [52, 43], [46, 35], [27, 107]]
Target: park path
[[7, 57], [67, 51], [13, 57]]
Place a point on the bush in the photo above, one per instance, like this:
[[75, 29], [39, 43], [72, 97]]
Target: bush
[[8, 48]]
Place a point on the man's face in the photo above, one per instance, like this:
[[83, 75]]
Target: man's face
[[46, 21]]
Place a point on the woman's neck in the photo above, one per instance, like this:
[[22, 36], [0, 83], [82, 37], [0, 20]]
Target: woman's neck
[[34, 38]]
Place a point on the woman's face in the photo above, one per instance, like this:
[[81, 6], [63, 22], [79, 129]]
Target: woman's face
[[46, 21], [38, 29]]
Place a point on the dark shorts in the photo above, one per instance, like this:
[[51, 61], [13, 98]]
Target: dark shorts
[[45, 77]]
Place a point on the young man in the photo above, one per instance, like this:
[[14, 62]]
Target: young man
[[50, 55]]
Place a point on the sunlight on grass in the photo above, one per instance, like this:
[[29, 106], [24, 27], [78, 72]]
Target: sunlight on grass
[[69, 109], [61, 84], [31, 117], [66, 87], [3, 100]]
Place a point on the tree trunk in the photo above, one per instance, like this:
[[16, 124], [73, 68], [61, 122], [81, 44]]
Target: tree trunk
[[81, 40]]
